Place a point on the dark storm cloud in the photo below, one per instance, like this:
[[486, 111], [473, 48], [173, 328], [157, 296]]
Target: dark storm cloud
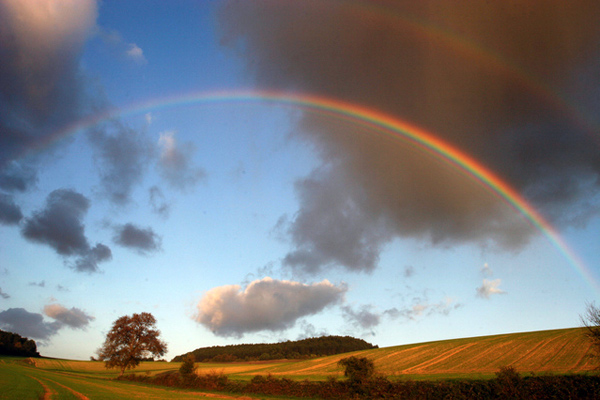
[[31, 325], [470, 72], [123, 155], [40, 83], [264, 305], [144, 240], [60, 226], [10, 213], [332, 227]]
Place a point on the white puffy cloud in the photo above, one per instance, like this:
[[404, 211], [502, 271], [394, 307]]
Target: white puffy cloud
[[265, 304]]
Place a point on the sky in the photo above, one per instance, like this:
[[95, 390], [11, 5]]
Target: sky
[[263, 171]]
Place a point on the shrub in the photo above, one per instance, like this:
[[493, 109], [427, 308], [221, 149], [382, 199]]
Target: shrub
[[188, 366], [357, 369]]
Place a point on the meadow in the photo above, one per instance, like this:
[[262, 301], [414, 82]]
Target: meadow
[[556, 352]]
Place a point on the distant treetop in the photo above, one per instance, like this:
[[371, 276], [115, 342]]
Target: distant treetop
[[305, 348]]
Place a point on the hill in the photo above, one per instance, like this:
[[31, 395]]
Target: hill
[[322, 346], [552, 351]]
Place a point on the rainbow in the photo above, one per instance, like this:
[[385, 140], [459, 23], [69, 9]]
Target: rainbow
[[471, 49], [364, 116]]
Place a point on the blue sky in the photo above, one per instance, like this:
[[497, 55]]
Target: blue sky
[[260, 221]]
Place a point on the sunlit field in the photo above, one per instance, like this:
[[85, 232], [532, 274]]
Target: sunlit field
[[546, 352]]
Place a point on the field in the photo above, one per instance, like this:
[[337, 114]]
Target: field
[[556, 351]]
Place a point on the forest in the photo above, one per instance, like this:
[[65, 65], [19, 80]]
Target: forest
[[12, 344], [305, 348]]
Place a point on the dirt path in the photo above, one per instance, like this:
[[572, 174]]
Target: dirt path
[[80, 396], [48, 393]]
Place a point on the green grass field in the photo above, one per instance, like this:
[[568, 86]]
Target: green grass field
[[556, 351]]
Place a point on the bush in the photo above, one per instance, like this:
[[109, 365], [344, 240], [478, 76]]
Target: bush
[[188, 366], [358, 370]]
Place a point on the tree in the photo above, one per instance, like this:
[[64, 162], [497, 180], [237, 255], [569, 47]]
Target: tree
[[130, 340], [357, 369], [188, 367], [591, 320]]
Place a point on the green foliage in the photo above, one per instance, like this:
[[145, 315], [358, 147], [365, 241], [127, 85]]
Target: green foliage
[[130, 340], [12, 344], [315, 347]]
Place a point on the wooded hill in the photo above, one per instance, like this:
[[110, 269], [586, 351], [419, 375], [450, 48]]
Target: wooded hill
[[300, 349], [12, 344]]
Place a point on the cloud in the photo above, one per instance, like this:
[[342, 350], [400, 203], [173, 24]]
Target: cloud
[[123, 155], [88, 262], [144, 240], [38, 284], [129, 51], [31, 325], [60, 226], [422, 307], [489, 288], [158, 202], [409, 271], [486, 270], [416, 61], [175, 162], [332, 227], [10, 213], [363, 317], [266, 304], [40, 83], [4, 295], [308, 330], [73, 318]]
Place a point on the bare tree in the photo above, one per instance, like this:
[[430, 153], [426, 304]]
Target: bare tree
[[130, 340], [591, 320]]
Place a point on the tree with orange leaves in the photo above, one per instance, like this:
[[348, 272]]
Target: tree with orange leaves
[[130, 340]]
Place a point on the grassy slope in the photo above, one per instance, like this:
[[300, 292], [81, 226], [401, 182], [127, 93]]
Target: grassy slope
[[555, 351]]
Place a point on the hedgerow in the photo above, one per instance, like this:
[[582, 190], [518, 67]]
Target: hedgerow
[[508, 384]]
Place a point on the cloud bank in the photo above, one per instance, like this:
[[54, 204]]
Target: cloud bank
[[33, 325], [40, 84], [264, 305], [470, 72]]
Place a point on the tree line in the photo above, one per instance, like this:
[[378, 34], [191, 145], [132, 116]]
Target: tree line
[[13, 344], [305, 348]]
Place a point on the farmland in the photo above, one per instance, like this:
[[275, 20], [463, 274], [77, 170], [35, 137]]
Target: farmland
[[557, 352]]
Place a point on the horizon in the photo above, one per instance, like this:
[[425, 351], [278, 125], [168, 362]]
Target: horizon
[[262, 172]]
